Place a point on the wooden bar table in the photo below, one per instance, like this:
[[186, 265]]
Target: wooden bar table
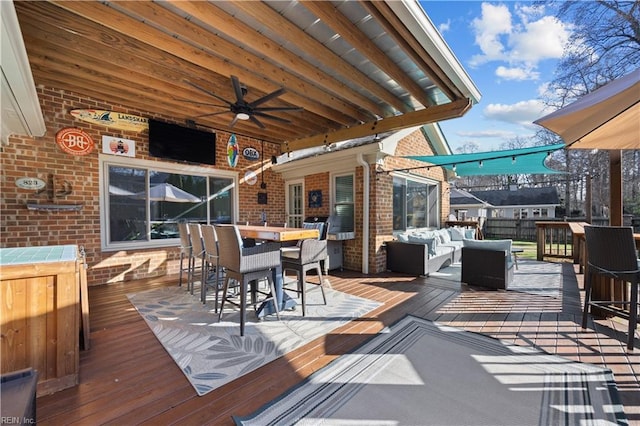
[[40, 311], [276, 234]]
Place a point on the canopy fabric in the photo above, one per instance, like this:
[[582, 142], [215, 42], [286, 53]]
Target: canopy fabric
[[506, 162], [168, 192], [607, 118]]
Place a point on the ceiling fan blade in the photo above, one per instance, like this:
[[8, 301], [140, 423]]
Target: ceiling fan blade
[[212, 113], [208, 92], [268, 97], [256, 121], [278, 109], [237, 89], [234, 121], [271, 117]]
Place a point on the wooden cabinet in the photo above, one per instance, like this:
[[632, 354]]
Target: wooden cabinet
[[40, 313]]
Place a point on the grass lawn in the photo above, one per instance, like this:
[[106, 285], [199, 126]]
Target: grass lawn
[[529, 247]]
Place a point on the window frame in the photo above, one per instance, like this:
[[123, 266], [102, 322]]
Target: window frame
[[334, 176], [105, 160], [423, 180]]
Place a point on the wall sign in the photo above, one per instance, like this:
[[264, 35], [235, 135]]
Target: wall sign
[[118, 146], [30, 183], [315, 198], [250, 177], [74, 141], [117, 120], [251, 154], [233, 151]]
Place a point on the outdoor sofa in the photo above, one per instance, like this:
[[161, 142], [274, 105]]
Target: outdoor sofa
[[487, 263], [421, 251]]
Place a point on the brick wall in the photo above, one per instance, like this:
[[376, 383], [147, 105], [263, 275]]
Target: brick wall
[[41, 158]]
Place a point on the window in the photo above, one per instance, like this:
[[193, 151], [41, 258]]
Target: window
[[344, 202], [295, 204], [415, 203], [143, 201]]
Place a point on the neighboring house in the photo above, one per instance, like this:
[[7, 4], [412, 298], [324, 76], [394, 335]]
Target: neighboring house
[[520, 203], [464, 205]]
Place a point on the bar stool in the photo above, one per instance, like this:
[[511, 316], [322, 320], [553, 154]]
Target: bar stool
[[185, 250], [611, 252], [197, 254]]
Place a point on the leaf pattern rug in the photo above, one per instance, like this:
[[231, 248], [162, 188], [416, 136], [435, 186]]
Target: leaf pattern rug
[[212, 353]]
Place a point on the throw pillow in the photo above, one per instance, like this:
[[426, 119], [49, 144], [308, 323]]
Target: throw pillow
[[444, 236], [469, 234], [456, 233]]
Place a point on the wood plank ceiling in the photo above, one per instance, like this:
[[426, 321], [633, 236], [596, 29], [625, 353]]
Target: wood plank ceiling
[[353, 67]]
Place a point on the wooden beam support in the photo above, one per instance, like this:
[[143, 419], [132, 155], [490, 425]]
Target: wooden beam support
[[417, 118]]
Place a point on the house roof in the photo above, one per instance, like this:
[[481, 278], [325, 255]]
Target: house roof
[[460, 197], [355, 68], [520, 197]]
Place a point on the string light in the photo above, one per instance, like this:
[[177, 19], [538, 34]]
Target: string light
[[480, 164], [513, 160], [454, 167]]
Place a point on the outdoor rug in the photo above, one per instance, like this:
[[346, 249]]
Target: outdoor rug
[[212, 353], [421, 373], [533, 277]]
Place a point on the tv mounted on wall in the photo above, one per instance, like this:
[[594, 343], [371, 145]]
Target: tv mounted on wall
[[174, 142]]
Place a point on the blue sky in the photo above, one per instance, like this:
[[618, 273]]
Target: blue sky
[[510, 51]]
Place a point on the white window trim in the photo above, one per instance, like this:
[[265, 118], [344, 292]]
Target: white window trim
[[287, 184], [426, 180], [105, 160], [332, 190]]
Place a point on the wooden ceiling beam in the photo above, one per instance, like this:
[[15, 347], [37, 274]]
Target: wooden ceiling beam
[[109, 17], [294, 35], [283, 58], [410, 119], [339, 23], [412, 47]]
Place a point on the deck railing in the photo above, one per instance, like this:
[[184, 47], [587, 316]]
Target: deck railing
[[556, 240]]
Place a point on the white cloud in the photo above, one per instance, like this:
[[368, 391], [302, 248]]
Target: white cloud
[[521, 113], [445, 26], [518, 74], [519, 41], [539, 40], [487, 134], [494, 23]]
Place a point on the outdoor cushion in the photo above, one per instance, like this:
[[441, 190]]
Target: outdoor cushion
[[469, 234], [498, 245], [444, 236], [457, 233], [432, 243]]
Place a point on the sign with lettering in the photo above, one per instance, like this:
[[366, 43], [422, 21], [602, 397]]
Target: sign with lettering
[[74, 141], [251, 154], [30, 183]]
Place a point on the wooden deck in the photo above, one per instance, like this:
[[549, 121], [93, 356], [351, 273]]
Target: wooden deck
[[128, 378]]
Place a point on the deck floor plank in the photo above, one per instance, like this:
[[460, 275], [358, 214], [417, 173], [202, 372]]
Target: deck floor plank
[[128, 378]]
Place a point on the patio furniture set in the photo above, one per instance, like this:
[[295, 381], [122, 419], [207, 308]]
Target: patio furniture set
[[234, 259]]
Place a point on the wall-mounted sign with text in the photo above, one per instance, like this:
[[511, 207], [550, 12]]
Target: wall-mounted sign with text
[[74, 141], [30, 183], [118, 146], [251, 154]]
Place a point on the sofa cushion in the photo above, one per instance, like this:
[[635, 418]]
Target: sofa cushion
[[403, 236], [469, 234], [498, 245], [456, 233], [432, 243], [443, 235]]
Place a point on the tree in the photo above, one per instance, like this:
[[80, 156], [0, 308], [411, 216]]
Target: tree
[[604, 45]]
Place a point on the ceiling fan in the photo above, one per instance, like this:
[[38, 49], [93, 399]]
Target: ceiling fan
[[243, 110]]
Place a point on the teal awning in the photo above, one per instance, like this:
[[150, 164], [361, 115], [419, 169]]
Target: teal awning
[[507, 162]]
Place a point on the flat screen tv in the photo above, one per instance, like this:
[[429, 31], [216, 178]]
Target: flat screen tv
[[174, 142]]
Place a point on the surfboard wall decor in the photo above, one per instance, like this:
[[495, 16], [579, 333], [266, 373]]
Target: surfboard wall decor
[[233, 151], [116, 120]]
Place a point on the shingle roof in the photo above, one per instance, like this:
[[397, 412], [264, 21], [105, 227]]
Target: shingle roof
[[520, 197]]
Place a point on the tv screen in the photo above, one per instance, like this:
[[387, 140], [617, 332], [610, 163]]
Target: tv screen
[[180, 143]]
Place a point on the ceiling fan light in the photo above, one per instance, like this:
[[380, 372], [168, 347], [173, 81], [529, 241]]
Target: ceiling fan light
[[242, 116]]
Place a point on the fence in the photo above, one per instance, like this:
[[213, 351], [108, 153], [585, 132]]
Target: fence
[[525, 229]]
